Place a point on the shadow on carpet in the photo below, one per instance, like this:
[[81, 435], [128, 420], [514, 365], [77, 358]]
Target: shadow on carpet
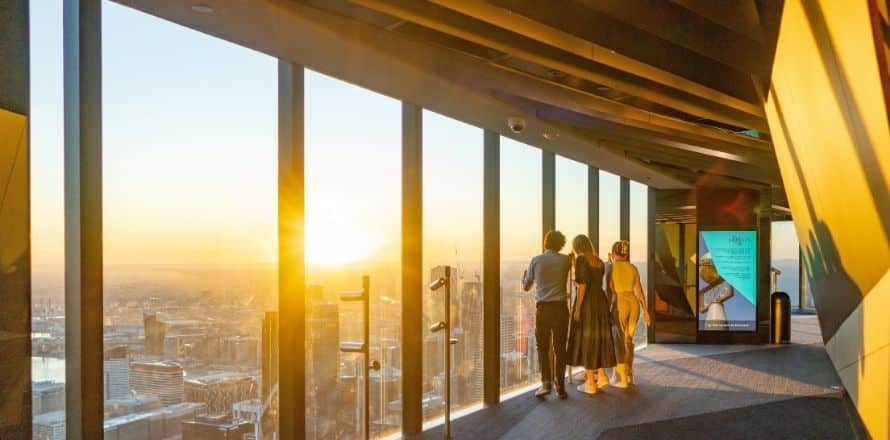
[[805, 417]]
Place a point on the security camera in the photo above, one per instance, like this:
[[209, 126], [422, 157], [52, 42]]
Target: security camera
[[516, 124]]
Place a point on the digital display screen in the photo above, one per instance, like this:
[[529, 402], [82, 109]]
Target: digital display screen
[[727, 281]]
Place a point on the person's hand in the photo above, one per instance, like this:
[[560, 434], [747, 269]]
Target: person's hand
[[647, 319], [577, 314]]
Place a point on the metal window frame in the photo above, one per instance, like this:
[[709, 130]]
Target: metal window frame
[[291, 253], [82, 67]]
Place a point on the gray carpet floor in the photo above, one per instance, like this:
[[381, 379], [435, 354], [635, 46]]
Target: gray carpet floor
[[690, 392]]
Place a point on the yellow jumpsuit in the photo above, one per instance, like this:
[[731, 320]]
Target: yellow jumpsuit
[[624, 279]]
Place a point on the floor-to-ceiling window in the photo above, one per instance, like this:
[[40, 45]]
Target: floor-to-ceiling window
[[571, 199], [521, 194], [785, 255], [452, 236], [47, 221], [190, 230], [639, 244], [610, 212], [353, 212]]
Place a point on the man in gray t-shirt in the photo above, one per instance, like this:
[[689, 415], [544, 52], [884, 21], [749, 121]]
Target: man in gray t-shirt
[[549, 273]]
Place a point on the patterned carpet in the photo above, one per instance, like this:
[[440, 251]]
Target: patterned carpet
[[690, 392]]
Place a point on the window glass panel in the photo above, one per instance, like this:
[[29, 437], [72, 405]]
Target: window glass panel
[[610, 212], [785, 255], [639, 245], [353, 229], [190, 231], [571, 199], [47, 221], [521, 225], [452, 236]]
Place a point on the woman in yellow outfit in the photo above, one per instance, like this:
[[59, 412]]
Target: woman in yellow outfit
[[624, 282]]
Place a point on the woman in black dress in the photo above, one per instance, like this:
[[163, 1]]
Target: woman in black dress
[[590, 340]]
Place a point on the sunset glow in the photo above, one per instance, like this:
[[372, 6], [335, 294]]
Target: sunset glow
[[335, 243]]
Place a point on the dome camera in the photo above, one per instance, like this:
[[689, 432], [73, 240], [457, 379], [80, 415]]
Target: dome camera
[[516, 124]]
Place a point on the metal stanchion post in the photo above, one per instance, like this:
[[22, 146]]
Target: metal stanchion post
[[363, 347], [445, 282]]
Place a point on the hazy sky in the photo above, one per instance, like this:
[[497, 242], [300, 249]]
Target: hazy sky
[[190, 159]]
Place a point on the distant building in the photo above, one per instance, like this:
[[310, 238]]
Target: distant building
[[252, 411], [116, 373], [268, 421], [134, 403], [161, 379], [49, 426], [323, 365], [216, 428], [220, 391], [243, 351], [170, 337], [47, 396], [155, 331], [160, 424]]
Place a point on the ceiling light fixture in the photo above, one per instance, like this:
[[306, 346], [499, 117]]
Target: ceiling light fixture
[[202, 9]]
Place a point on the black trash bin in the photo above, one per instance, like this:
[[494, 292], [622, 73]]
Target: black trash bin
[[780, 318]]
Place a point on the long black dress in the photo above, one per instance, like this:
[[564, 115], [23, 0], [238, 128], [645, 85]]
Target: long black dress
[[590, 339]]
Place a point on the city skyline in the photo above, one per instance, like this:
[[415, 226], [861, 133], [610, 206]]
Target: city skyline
[[190, 232]]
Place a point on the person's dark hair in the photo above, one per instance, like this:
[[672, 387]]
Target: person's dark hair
[[554, 241]]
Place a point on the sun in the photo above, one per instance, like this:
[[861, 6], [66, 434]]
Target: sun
[[333, 243]]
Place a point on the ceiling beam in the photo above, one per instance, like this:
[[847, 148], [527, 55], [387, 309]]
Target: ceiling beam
[[599, 28], [607, 129], [698, 163], [684, 28], [543, 54], [479, 74], [738, 16]]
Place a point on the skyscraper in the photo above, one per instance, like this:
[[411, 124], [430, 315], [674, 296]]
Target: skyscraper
[[155, 333], [323, 363], [269, 352], [116, 369], [161, 379]]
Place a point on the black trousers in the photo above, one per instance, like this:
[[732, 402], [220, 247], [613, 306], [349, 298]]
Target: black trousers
[[551, 329]]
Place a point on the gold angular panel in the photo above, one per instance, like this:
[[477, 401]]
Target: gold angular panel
[[828, 119], [15, 277]]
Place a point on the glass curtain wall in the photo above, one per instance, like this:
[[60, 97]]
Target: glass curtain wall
[[353, 229], [521, 224], [190, 224], [785, 255], [639, 244], [610, 212], [571, 199], [452, 236], [47, 221]]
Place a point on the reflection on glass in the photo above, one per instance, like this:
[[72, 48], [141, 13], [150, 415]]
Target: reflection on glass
[[452, 236], [610, 212], [675, 283], [353, 218], [521, 201], [190, 245], [47, 222]]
